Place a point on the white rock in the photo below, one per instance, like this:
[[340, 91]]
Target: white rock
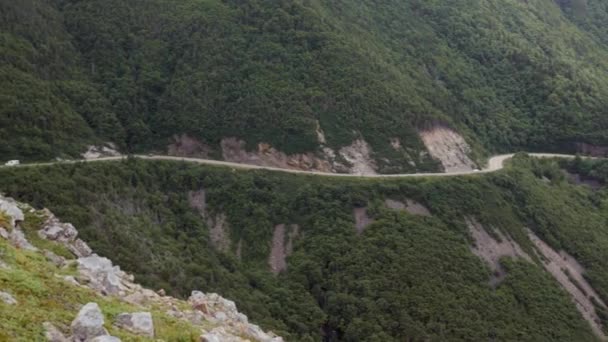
[[9, 206], [111, 283], [220, 316], [88, 323], [80, 249], [138, 322], [3, 233], [7, 298], [18, 240]]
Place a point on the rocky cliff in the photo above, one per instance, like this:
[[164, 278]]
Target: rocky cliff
[[54, 287]]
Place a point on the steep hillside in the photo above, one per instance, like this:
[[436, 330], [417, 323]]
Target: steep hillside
[[335, 85], [513, 255]]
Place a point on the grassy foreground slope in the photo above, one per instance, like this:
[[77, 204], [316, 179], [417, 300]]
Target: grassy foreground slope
[[43, 295], [404, 275], [508, 75]]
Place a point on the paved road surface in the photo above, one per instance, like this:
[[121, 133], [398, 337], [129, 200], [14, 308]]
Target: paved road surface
[[495, 163]]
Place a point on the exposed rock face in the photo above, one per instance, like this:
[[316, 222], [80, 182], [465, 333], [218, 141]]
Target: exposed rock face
[[138, 322], [107, 150], [410, 206], [282, 246], [358, 154], [592, 150], [187, 146], [362, 220], [449, 148], [64, 233], [198, 201], [219, 232], [219, 229], [17, 239], [9, 206], [102, 275], [7, 298], [491, 250], [219, 309], [80, 248], [88, 323], [570, 275], [233, 150]]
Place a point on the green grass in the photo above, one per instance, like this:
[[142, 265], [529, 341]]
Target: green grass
[[44, 296]]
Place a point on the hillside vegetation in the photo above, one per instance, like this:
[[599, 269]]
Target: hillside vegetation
[[507, 75], [403, 275]]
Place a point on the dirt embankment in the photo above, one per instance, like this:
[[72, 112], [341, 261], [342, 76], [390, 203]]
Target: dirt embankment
[[449, 148], [233, 150]]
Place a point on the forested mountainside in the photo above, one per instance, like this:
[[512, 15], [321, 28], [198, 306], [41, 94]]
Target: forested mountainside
[[513, 255], [298, 76]]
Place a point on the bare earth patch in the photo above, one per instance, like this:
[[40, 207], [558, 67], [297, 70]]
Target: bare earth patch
[[410, 206], [281, 248], [197, 200], [358, 154], [449, 148], [569, 273], [491, 251], [219, 230], [187, 146], [233, 150], [362, 220]]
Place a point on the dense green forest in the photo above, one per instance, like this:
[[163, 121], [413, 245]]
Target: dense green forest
[[404, 276], [508, 75]]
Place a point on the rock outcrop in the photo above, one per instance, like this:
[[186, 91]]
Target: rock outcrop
[[106, 150], [449, 147], [138, 322], [64, 233], [99, 274], [10, 207], [88, 323]]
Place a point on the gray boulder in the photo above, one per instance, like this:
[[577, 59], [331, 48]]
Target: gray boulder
[[55, 230], [9, 206], [138, 322], [17, 239], [80, 248], [7, 298], [102, 274], [88, 323]]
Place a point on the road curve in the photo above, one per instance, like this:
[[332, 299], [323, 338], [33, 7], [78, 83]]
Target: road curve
[[495, 163]]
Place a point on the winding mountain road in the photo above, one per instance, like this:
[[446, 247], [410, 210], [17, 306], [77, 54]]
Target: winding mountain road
[[495, 163]]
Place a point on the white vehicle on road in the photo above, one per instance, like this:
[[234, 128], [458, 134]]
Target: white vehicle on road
[[12, 163]]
